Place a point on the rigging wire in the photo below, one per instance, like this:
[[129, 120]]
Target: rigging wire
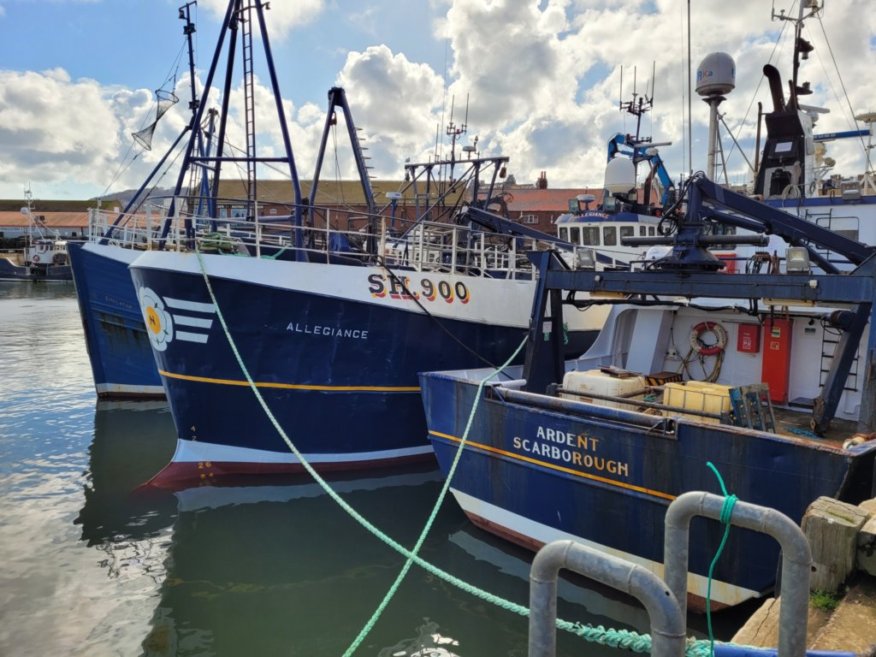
[[689, 98], [124, 163], [744, 120], [684, 121], [845, 93]]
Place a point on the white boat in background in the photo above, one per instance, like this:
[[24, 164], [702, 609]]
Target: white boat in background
[[43, 257]]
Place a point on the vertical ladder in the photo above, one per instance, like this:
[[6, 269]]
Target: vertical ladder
[[828, 351], [246, 20]]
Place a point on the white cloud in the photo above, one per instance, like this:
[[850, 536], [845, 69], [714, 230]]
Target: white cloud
[[541, 77], [281, 18], [53, 129]]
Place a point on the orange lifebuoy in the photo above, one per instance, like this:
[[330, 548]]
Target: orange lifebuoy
[[702, 348], [36, 258]]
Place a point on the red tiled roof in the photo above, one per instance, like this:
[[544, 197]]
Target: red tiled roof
[[546, 200], [52, 219]]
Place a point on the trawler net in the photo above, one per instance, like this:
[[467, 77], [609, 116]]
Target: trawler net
[[164, 100]]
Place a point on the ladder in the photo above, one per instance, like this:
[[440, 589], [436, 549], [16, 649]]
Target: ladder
[[246, 17], [827, 355]]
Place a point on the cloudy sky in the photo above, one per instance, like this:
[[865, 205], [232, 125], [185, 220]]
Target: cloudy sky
[[542, 78]]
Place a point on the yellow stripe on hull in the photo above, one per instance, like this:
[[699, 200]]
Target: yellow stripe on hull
[[288, 386]]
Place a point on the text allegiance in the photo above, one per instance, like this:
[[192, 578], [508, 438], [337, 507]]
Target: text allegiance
[[328, 331]]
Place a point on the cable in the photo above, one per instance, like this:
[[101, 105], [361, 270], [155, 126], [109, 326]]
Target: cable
[[726, 513]]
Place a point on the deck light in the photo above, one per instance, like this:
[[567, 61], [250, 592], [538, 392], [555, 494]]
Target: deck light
[[797, 259]]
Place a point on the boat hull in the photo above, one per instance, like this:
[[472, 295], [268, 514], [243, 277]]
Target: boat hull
[[606, 478], [333, 351], [118, 346], [9, 271]]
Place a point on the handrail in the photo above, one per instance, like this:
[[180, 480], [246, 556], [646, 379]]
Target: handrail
[[425, 246]]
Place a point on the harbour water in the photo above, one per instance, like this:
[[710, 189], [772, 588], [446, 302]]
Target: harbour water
[[93, 564]]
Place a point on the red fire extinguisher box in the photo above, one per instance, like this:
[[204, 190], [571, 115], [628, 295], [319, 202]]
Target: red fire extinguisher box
[[777, 357], [748, 338]]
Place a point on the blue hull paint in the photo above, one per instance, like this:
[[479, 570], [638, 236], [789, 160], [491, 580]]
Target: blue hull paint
[[118, 347], [342, 400], [608, 481]]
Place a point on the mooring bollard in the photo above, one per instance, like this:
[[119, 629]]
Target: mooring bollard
[[667, 620], [796, 558]]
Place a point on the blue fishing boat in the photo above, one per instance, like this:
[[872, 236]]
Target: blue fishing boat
[[115, 336], [332, 311], [716, 350], [332, 333], [761, 374]]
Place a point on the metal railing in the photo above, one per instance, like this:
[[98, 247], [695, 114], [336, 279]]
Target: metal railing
[[418, 246]]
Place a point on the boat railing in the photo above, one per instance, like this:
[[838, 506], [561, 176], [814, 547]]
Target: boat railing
[[343, 237]]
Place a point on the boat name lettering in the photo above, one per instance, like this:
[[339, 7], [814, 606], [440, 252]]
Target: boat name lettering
[[572, 456], [328, 331], [574, 449], [424, 289], [581, 441]]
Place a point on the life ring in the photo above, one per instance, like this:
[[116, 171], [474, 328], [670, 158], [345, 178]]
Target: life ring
[[35, 258], [702, 348]]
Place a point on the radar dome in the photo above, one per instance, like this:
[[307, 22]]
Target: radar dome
[[620, 176], [716, 75]]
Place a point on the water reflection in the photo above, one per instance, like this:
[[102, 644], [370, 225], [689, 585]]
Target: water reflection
[[278, 568], [95, 565], [36, 290], [132, 441]]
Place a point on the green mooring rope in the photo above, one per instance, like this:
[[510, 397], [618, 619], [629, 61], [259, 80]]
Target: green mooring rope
[[625, 639], [726, 512]]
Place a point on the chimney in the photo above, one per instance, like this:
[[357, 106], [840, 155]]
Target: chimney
[[542, 183]]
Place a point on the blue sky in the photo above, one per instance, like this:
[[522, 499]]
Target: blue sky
[[77, 77]]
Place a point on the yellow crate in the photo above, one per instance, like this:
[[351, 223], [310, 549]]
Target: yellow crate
[[697, 396]]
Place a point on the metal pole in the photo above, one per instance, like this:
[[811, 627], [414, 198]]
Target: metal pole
[[796, 558], [667, 621]]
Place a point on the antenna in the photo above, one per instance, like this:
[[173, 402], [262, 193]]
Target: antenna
[[639, 105], [454, 131], [620, 96]]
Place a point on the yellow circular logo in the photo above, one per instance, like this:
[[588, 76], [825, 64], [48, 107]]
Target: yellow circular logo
[[159, 322]]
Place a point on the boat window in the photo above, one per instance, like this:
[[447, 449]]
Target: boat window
[[643, 230], [563, 233], [609, 236], [575, 235], [627, 231], [652, 231], [590, 236]]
